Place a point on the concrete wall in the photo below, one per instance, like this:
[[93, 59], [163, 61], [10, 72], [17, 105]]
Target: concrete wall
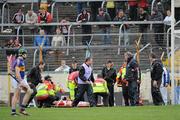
[[61, 78]]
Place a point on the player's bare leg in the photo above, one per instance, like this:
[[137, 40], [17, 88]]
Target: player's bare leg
[[15, 99], [28, 93]]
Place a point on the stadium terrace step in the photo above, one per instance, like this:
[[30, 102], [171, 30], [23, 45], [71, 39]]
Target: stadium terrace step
[[100, 56]]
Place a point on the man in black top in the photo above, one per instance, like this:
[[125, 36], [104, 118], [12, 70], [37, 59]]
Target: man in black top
[[156, 79], [83, 17], [85, 80], [132, 72], [105, 29], [34, 78], [109, 74]]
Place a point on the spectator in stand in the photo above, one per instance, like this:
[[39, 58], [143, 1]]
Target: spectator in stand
[[111, 9], [143, 4], [167, 4], [159, 6], [18, 18], [58, 39], [143, 28], [133, 6], [42, 40], [158, 28], [122, 17], [63, 68], [105, 29], [121, 5], [167, 23], [64, 28], [94, 9], [80, 6], [12, 43], [17, 44], [11, 54], [31, 18], [74, 67], [84, 16], [45, 17], [46, 4]]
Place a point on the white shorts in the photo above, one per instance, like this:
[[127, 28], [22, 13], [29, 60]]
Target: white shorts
[[15, 84]]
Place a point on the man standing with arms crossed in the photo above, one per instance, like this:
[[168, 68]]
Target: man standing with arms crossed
[[20, 83], [84, 83]]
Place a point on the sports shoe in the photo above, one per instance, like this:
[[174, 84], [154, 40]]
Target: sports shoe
[[23, 112], [15, 114]]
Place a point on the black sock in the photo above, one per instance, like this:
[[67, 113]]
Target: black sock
[[13, 110], [23, 107]]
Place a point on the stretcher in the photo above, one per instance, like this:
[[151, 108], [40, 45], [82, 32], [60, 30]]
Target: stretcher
[[68, 104]]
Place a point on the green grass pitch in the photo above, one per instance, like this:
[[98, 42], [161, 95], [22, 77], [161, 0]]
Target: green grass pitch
[[100, 113]]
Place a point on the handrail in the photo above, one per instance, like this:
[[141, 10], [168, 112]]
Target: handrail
[[70, 47], [142, 49], [152, 5], [57, 14], [2, 20], [8, 14], [87, 23], [69, 32], [21, 1], [29, 1], [52, 8], [34, 59], [73, 38], [22, 37], [77, 35], [120, 33], [168, 37], [102, 4], [32, 4], [18, 29]]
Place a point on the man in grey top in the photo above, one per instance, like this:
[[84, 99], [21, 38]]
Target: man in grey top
[[105, 29], [84, 83]]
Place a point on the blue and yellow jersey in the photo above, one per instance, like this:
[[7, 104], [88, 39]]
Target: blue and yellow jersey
[[19, 63]]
